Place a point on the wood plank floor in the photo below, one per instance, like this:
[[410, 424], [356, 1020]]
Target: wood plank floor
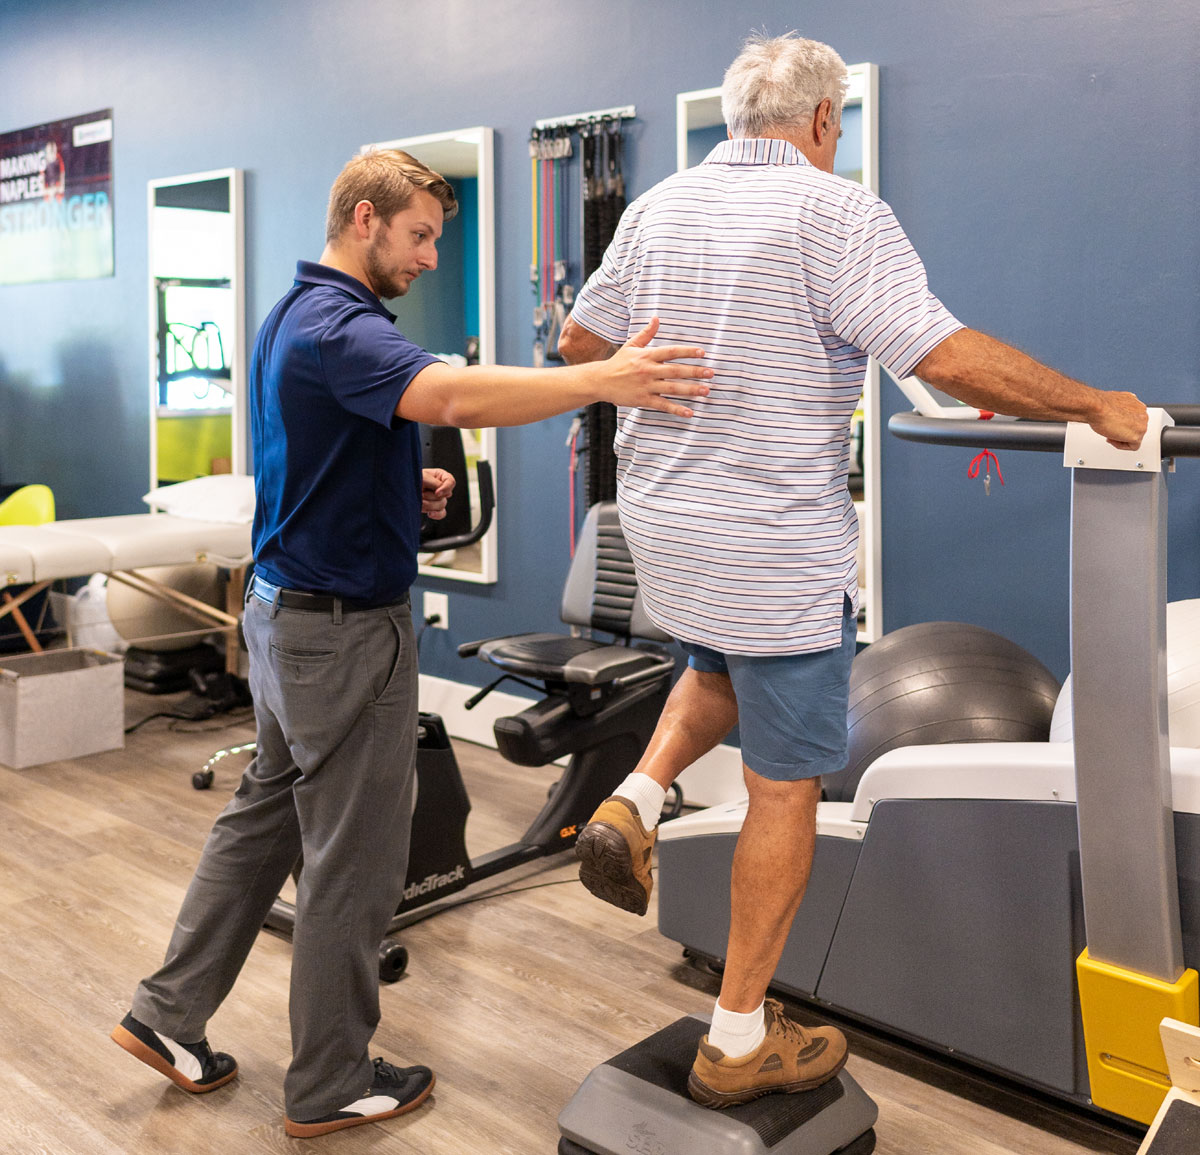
[[512, 1000]]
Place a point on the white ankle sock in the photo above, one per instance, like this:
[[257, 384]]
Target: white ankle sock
[[734, 1033], [646, 794]]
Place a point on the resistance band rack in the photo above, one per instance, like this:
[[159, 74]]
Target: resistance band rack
[[601, 186]]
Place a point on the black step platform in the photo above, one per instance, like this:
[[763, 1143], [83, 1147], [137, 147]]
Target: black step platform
[[1179, 1131], [638, 1101]]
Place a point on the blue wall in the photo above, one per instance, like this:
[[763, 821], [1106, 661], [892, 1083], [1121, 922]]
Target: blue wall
[[1041, 155]]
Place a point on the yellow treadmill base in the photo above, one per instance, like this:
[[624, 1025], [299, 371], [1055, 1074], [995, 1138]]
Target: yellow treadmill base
[[1121, 1013]]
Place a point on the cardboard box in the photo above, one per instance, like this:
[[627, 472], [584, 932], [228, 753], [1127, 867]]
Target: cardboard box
[[60, 704]]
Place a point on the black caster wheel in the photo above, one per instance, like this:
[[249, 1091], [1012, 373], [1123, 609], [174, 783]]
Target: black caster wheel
[[202, 779], [393, 961]]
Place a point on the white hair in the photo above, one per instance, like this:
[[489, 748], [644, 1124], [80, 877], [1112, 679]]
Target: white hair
[[778, 82]]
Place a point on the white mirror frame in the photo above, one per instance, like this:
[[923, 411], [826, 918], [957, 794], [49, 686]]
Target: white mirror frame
[[439, 151], [702, 109], [237, 368]]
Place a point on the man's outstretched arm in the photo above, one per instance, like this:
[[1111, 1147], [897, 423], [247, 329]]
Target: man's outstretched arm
[[989, 374], [636, 375]]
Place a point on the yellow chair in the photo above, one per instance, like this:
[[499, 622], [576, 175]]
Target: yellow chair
[[29, 505]]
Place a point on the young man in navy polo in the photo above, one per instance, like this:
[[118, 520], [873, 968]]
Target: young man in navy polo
[[336, 395]]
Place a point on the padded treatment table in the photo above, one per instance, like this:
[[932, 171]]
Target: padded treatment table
[[36, 555]]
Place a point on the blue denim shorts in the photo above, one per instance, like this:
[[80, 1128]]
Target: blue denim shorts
[[791, 708]]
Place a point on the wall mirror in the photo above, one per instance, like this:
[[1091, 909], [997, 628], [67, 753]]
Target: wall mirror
[[451, 311], [699, 127], [197, 326]]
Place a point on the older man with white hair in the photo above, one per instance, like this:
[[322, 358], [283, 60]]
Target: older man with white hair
[[740, 521]]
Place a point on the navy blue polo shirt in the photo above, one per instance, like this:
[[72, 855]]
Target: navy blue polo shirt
[[337, 474]]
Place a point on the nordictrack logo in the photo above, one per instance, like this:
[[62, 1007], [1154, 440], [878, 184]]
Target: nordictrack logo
[[433, 882]]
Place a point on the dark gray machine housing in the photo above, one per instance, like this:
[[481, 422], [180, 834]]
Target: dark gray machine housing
[[954, 922]]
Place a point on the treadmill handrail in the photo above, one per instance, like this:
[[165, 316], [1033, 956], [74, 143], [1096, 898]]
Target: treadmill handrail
[[1179, 440]]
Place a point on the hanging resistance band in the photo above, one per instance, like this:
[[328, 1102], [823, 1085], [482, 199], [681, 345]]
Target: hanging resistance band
[[602, 213], [602, 195], [549, 151]]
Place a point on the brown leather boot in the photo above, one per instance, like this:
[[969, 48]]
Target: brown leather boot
[[790, 1058], [614, 851]]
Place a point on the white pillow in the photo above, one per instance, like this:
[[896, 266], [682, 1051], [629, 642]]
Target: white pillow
[[225, 497]]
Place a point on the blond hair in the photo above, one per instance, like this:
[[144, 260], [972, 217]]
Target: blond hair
[[387, 177]]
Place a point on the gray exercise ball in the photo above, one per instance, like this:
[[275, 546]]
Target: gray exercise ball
[[941, 682]]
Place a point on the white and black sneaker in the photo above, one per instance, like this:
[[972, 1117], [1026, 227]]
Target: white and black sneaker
[[195, 1067], [393, 1091]]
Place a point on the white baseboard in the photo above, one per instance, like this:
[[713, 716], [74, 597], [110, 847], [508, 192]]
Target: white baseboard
[[711, 781]]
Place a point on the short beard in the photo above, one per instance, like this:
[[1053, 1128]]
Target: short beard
[[381, 281]]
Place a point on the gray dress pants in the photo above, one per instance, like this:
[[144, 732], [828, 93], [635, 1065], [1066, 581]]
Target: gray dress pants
[[335, 699]]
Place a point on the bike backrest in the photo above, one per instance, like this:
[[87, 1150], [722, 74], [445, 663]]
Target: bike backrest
[[601, 591]]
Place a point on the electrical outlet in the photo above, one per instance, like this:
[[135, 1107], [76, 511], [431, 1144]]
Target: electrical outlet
[[435, 603]]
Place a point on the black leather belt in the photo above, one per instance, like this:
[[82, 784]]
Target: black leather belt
[[314, 603]]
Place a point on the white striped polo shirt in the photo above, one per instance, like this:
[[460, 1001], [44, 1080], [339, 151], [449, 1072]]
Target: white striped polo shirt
[[739, 518]]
